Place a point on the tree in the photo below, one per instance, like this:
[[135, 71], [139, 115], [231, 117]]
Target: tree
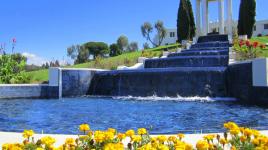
[[114, 50], [97, 48], [183, 22], [146, 45], [247, 14], [47, 65], [191, 18], [82, 56], [133, 46], [73, 51], [147, 29], [57, 63], [122, 42]]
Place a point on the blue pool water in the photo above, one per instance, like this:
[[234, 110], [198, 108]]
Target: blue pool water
[[159, 115]]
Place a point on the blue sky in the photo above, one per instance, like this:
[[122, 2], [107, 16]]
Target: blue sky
[[45, 28]]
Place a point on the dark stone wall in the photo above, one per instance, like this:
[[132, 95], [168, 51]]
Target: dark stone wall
[[76, 82], [161, 82], [211, 38], [28, 91], [240, 85], [188, 61]]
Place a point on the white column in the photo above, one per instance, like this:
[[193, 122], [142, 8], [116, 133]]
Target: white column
[[230, 17], [198, 20], [221, 16], [204, 17]]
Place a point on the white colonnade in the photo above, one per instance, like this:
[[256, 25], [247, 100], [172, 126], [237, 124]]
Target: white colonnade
[[203, 28]]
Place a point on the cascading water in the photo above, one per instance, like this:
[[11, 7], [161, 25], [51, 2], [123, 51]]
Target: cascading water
[[199, 71]]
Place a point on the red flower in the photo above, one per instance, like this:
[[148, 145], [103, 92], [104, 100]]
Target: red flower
[[248, 43], [263, 46], [14, 40], [241, 43], [255, 44]]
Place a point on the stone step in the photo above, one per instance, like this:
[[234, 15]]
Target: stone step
[[188, 61], [211, 44], [209, 48], [189, 81], [212, 38], [197, 53]]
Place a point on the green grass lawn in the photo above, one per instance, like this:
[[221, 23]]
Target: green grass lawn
[[263, 40], [127, 59]]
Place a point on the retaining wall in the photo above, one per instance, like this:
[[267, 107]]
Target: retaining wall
[[240, 84], [28, 91], [76, 82]]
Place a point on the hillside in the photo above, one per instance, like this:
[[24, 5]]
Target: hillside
[[127, 59]]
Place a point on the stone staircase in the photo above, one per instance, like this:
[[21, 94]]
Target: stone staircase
[[198, 71]]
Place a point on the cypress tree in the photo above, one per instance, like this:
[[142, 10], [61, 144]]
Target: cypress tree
[[246, 21], [192, 23], [183, 22]]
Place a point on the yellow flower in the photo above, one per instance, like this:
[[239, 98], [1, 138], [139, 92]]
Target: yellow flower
[[248, 132], [109, 135], [16, 146], [114, 146], [233, 148], [223, 141], [255, 141], [121, 136], [181, 136], [5, 146], [99, 136], [209, 137], [146, 147], [136, 138], [243, 138], [84, 127], [112, 130], [142, 131], [231, 125], [39, 148], [172, 139], [130, 133], [235, 131], [27, 133], [202, 145], [48, 141], [162, 147], [161, 138], [69, 141]]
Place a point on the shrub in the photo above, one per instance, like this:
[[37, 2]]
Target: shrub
[[12, 69]]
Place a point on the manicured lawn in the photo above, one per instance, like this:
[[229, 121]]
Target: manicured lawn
[[127, 59], [38, 76], [263, 40]]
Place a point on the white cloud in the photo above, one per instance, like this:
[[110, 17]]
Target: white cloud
[[34, 59]]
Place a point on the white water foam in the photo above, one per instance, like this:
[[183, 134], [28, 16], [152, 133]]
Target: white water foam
[[178, 98]]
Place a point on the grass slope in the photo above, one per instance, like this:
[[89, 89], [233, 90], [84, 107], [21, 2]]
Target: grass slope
[[127, 59]]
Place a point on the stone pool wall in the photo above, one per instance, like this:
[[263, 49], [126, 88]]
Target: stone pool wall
[[240, 84], [28, 91], [76, 82]]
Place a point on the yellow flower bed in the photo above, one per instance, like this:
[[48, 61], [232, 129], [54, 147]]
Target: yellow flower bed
[[235, 138]]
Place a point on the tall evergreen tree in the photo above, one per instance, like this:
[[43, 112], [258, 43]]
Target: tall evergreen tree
[[246, 19], [192, 23], [183, 22]]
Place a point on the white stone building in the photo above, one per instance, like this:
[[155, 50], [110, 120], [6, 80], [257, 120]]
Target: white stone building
[[260, 28]]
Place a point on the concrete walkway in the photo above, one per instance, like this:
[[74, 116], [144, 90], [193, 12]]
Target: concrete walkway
[[9, 137]]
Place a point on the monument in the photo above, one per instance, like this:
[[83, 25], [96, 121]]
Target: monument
[[203, 29]]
